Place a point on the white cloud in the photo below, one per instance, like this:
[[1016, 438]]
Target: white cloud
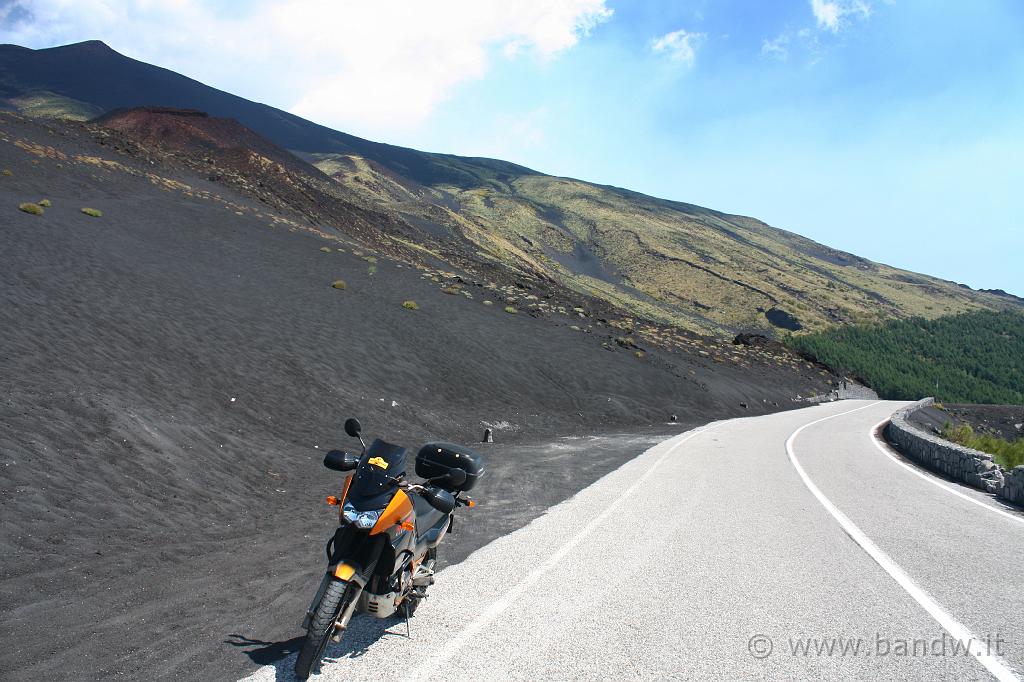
[[830, 14], [777, 48], [375, 68], [680, 46], [805, 44], [802, 45]]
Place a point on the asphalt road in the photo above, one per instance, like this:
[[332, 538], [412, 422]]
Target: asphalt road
[[778, 547]]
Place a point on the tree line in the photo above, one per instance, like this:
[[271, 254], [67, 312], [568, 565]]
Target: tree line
[[975, 357]]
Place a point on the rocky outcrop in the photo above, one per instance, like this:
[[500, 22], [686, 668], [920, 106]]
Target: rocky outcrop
[[966, 465]]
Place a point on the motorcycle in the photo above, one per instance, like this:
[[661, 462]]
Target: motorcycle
[[382, 556]]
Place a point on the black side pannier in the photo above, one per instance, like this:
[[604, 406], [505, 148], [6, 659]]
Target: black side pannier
[[436, 459]]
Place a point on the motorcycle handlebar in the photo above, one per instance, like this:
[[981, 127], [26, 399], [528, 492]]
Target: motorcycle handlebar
[[402, 484]]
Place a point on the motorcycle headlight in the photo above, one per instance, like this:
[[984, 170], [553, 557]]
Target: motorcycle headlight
[[363, 520], [367, 519]]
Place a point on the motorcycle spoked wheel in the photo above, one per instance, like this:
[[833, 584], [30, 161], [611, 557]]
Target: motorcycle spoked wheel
[[321, 627]]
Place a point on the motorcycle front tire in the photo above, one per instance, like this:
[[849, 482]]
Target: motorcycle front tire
[[321, 627]]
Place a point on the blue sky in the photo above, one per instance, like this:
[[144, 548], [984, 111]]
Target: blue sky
[[891, 129]]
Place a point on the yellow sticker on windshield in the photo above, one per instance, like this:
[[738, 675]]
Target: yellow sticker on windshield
[[378, 462]]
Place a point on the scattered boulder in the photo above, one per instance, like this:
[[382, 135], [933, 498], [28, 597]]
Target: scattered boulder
[[782, 319], [755, 340]]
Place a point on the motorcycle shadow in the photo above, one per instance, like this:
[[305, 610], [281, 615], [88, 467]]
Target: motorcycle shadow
[[362, 632]]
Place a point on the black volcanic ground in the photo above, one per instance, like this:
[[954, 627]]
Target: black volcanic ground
[[167, 371]]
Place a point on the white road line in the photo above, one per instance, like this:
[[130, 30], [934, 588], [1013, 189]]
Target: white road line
[[453, 645], [885, 450], [955, 628]]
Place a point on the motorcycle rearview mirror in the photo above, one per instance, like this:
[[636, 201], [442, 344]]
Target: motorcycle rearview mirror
[[441, 500], [354, 428], [456, 476], [341, 461]]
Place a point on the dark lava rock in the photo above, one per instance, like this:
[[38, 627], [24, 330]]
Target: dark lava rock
[[756, 340], [780, 318]]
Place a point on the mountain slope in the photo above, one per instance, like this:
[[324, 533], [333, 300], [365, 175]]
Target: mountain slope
[[172, 371], [665, 261], [90, 77]]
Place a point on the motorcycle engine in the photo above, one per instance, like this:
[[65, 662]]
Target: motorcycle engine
[[385, 604]]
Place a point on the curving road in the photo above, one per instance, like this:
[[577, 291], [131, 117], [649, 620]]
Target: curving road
[[788, 546]]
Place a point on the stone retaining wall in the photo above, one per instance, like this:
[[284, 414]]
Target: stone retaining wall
[[1013, 485], [973, 467]]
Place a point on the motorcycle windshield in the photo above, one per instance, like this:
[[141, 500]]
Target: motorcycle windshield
[[371, 488]]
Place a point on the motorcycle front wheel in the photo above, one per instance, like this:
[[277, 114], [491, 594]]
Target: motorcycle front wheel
[[321, 627]]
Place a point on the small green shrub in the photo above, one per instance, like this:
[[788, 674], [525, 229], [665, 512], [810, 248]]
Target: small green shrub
[[1008, 454], [372, 270], [370, 259], [325, 249], [95, 213], [28, 207], [339, 284], [639, 354], [45, 203], [511, 309], [410, 305], [451, 291]]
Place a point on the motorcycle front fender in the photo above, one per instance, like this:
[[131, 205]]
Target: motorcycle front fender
[[347, 572]]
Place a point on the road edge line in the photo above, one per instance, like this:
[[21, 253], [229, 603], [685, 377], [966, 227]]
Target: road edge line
[[459, 640], [882, 447], [996, 666]]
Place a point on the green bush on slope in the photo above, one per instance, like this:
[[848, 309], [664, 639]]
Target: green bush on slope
[[1008, 454]]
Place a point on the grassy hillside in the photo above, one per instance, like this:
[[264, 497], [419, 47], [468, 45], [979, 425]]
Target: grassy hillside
[[665, 261], [975, 357], [678, 263]]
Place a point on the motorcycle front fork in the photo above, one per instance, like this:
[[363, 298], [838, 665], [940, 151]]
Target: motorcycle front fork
[[348, 608]]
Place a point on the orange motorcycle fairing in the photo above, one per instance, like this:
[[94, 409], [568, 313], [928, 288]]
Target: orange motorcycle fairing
[[398, 509], [344, 494]]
